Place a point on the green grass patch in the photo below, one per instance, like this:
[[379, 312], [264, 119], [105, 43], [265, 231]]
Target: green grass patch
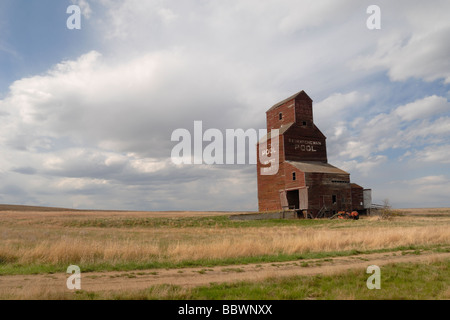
[[238, 270], [398, 281], [194, 222]]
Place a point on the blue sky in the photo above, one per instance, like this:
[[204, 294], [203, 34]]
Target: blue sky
[[34, 37], [86, 115]]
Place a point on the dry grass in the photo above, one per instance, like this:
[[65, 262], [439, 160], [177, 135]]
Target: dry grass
[[59, 238], [35, 292], [211, 244], [291, 240], [45, 238]]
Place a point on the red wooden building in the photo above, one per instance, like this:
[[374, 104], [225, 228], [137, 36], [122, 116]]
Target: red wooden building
[[305, 181]]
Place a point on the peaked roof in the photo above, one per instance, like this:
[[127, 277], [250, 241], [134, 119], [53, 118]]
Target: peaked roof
[[290, 98], [314, 166]]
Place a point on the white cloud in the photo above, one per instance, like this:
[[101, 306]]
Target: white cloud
[[86, 10], [414, 42], [339, 106], [307, 14], [364, 168], [103, 121], [435, 154], [423, 108], [427, 180], [397, 129], [131, 107], [427, 132]]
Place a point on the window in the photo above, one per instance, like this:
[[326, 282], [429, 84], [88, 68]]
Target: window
[[333, 199], [294, 177], [280, 116], [339, 181], [304, 123]]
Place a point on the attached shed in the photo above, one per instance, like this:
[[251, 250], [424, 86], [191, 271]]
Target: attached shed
[[357, 197]]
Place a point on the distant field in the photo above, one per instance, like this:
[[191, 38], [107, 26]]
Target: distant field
[[43, 242], [36, 210], [8, 207]]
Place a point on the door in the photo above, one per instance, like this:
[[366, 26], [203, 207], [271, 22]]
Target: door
[[303, 198], [293, 199], [283, 200]]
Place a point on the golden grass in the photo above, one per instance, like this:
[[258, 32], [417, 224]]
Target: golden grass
[[35, 238], [35, 292], [217, 244], [45, 238], [277, 240]]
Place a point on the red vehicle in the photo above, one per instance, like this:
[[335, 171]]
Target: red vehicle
[[354, 215]]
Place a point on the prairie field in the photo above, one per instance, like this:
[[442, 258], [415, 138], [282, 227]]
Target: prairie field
[[43, 243]]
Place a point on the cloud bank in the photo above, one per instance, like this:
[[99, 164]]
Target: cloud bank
[[94, 132]]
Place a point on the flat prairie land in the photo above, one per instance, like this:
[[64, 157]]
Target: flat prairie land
[[205, 255]]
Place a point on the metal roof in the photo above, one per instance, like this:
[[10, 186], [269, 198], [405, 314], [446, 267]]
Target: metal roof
[[356, 186], [287, 99], [317, 167]]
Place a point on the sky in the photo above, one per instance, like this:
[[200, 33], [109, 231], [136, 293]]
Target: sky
[[86, 115]]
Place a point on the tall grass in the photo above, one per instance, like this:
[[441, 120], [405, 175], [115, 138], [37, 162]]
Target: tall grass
[[217, 244]]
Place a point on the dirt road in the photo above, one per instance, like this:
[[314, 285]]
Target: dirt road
[[190, 277]]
